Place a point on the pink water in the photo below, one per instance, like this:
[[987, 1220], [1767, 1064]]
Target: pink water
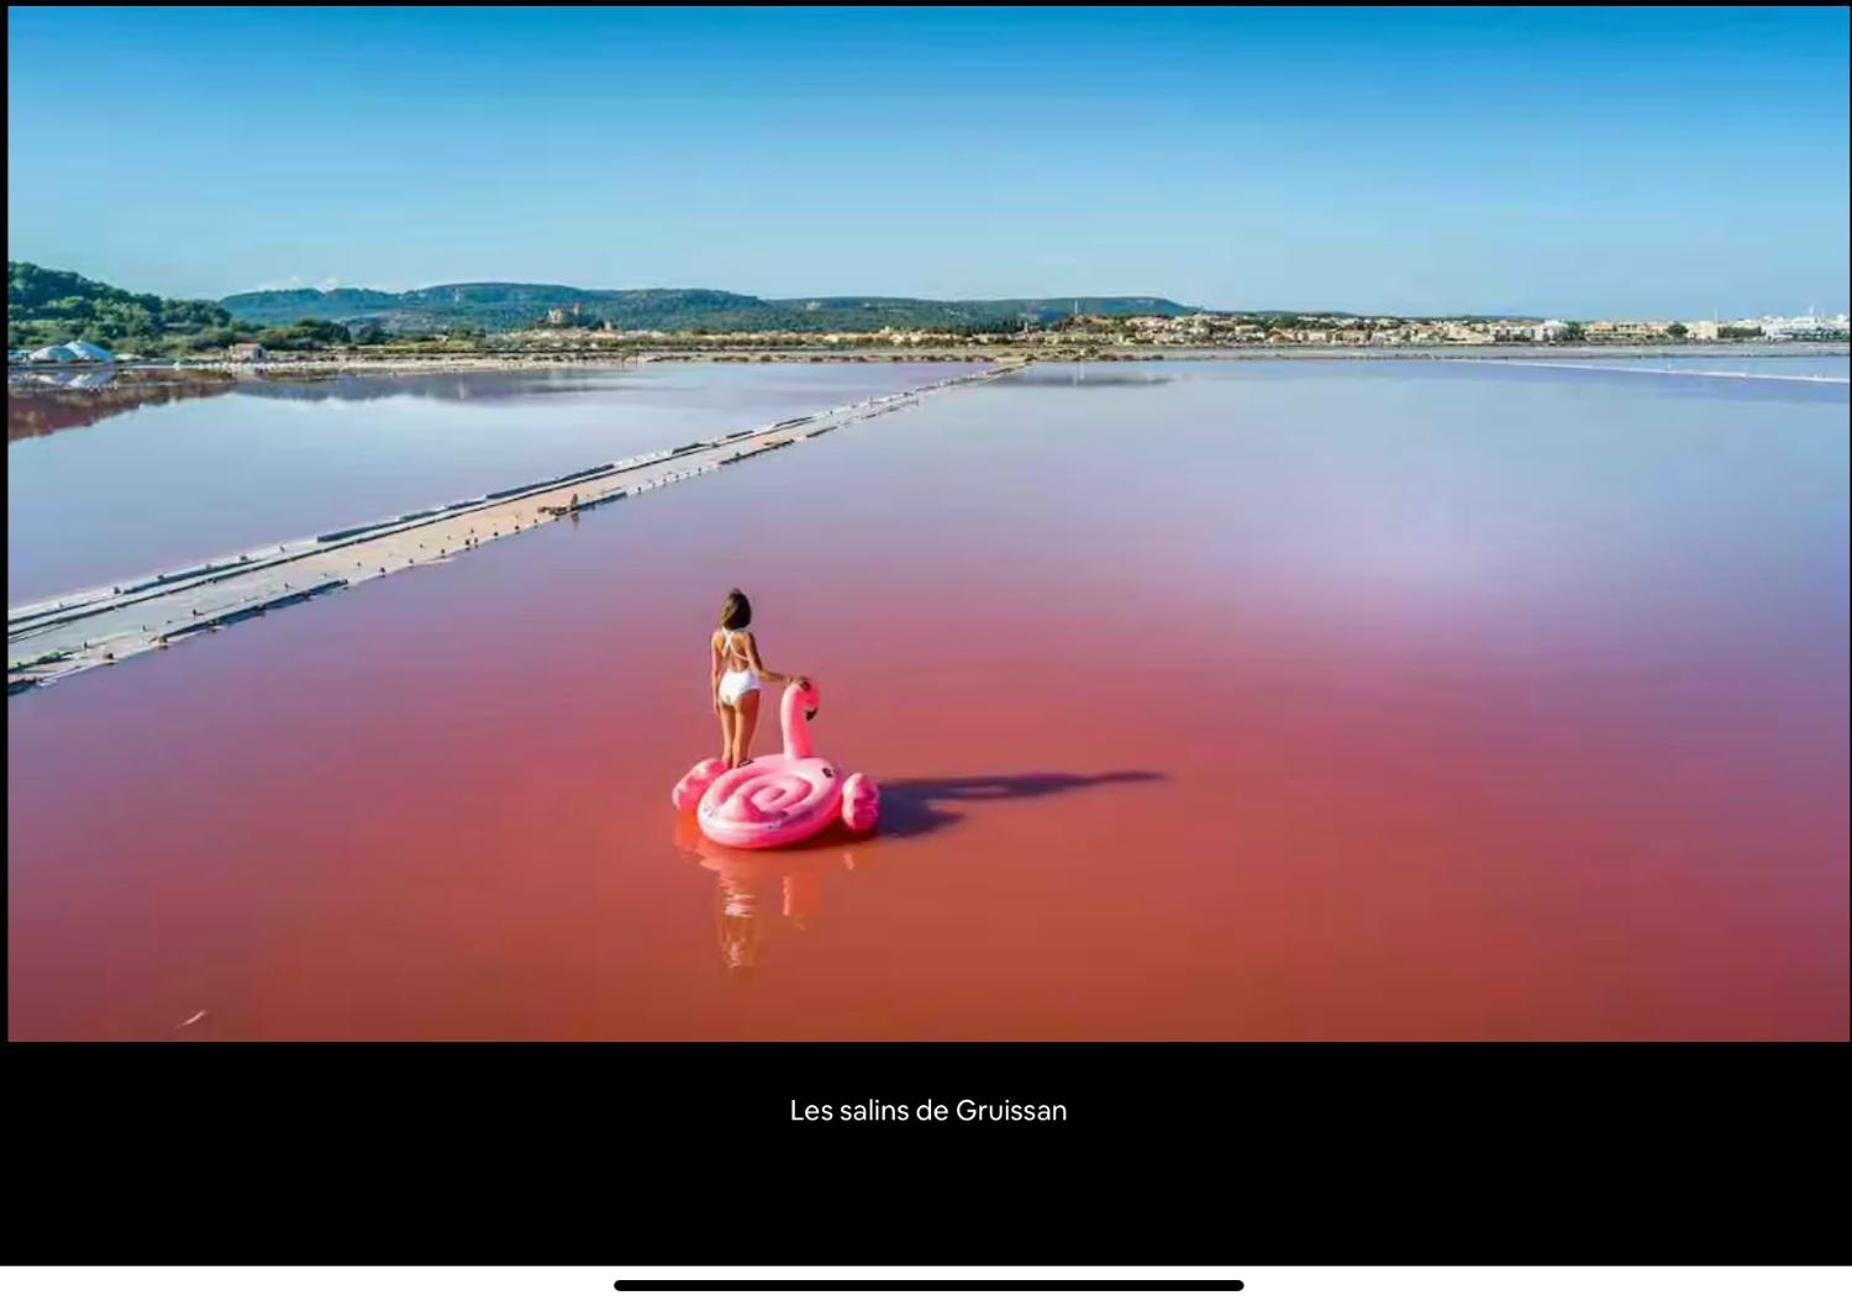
[[1209, 701]]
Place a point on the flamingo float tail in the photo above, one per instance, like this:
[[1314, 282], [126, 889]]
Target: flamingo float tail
[[861, 802], [688, 790]]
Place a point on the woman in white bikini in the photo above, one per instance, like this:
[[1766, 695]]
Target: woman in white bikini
[[737, 673]]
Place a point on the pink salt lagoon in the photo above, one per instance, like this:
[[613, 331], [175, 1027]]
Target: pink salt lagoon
[[1207, 701]]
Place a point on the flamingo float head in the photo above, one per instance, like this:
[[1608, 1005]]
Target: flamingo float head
[[796, 711], [804, 693]]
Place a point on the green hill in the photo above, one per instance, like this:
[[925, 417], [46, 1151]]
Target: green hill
[[501, 306], [47, 307]]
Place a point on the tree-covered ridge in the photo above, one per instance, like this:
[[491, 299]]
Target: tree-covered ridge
[[45, 306], [289, 305], [501, 305]]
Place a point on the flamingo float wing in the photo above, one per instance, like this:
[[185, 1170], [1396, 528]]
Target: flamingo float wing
[[688, 790]]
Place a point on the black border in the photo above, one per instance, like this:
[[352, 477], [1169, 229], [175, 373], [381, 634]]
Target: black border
[[684, 1154]]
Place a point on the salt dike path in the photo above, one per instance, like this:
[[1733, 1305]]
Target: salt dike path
[[53, 638]]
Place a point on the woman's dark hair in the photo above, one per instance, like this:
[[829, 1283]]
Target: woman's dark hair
[[736, 612]]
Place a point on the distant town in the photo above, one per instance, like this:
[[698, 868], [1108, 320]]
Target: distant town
[[1080, 336], [57, 318], [1244, 329], [1224, 330]]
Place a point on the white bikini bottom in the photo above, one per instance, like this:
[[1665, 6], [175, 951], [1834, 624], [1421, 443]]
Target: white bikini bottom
[[736, 684]]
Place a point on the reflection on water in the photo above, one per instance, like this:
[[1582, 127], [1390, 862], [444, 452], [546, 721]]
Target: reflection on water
[[756, 892], [39, 403], [476, 386], [1069, 375], [157, 484], [92, 378]]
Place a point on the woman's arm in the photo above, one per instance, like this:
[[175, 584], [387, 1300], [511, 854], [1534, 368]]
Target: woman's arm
[[752, 656], [713, 669]]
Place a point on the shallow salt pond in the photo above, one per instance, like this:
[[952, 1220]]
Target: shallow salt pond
[[1249, 700]]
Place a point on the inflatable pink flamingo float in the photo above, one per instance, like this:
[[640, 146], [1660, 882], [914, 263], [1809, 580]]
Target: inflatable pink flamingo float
[[781, 799]]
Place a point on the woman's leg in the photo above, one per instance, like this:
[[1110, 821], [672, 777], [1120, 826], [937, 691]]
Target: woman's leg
[[748, 722], [728, 715]]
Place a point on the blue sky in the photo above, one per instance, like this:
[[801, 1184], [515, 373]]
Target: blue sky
[[1573, 162]]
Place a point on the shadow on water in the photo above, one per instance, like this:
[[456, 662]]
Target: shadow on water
[[918, 806]]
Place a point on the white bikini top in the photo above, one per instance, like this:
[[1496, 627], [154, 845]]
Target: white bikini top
[[727, 646]]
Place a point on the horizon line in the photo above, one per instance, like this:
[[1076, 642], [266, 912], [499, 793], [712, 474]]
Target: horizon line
[[956, 299]]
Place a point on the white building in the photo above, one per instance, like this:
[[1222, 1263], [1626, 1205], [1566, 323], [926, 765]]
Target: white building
[[1803, 327]]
